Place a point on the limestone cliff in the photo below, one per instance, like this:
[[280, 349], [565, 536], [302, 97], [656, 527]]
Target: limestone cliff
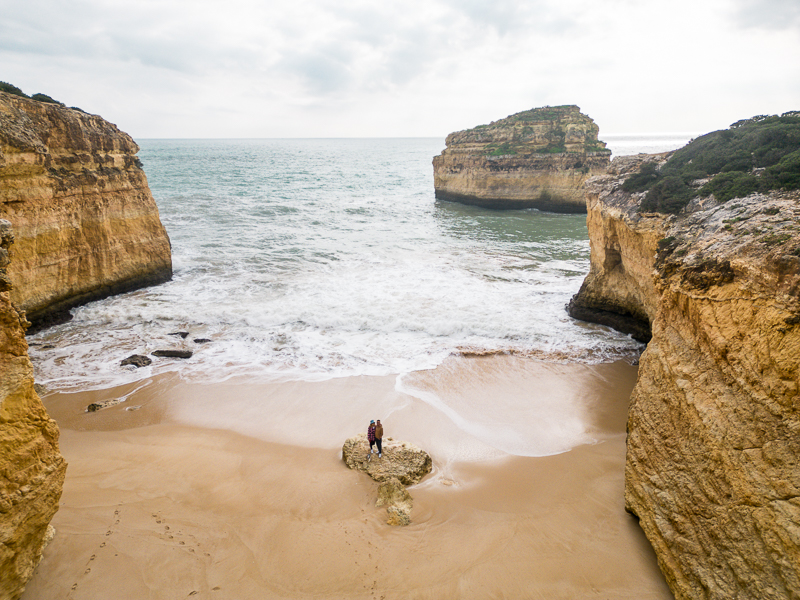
[[539, 158], [714, 424], [619, 290], [86, 224], [31, 467]]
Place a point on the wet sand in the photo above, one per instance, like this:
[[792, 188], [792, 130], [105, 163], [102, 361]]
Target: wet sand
[[237, 490]]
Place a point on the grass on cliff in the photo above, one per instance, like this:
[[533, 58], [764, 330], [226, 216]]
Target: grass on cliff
[[14, 90], [753, 155]]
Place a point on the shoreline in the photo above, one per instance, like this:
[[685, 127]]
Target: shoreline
[[212, 491]]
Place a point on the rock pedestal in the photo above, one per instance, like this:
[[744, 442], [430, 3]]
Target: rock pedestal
[[402, 464]]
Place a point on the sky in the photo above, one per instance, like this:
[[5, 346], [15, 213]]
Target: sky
[[403, 68]]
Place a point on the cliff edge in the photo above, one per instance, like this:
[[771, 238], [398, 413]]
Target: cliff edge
[[714, 423], [86, 224], [538, 158], [31, 466]]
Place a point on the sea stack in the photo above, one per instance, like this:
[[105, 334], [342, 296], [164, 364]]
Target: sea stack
[[85, 222], [538, 158], [31, 466], [712, 467]]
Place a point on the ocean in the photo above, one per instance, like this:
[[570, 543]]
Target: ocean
[[309, 259]]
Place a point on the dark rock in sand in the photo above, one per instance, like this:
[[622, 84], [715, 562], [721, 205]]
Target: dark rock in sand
[[173, 353], [180, 334], [137, 360], [201, 340], [95, 406]]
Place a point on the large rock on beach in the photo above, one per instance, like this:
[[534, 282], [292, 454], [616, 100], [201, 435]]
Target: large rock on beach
[[538, 158], [31, 467], [402, 464], [401, 460], [712, 467], [86, 224]]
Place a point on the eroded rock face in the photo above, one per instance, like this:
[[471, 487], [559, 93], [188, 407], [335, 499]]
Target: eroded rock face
[[534, 159], [619, 290], [714, 425], [86, 224], [31, 466]]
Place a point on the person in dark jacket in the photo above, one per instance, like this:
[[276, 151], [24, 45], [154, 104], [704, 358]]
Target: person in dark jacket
[[379, 437]]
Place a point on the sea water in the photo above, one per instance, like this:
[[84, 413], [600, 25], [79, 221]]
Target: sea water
[[318, 258]]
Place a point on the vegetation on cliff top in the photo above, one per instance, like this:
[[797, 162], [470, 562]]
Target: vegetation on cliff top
[[10, 88], [522, 133], [753, 155]]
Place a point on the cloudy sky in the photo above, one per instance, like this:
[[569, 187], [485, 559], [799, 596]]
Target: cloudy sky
[[374, 68]]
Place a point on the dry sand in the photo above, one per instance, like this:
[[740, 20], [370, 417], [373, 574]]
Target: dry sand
[[237, 490]]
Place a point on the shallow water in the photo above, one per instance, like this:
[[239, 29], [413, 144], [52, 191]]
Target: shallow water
[[318, 258]]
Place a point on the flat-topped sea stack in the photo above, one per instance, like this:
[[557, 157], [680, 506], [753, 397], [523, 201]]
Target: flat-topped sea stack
[[701, 249], [85, 222], [538, 158]]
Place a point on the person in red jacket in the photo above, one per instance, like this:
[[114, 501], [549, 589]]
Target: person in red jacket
[[371, 438]]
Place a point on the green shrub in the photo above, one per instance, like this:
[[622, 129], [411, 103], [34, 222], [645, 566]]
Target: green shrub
[[11, 89], [758, 154], [641, 181], [45, 98]]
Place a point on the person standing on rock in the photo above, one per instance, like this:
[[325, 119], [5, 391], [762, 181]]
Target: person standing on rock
[[371, 438], [379, 438]]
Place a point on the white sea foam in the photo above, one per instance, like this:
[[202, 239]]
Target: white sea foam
[[312, 259]]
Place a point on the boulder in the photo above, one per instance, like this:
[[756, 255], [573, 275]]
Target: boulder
[[401, 464], [401, 460], [398, 502], [173, 353], [137, 360]]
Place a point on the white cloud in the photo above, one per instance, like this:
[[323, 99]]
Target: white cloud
[[247, 68]]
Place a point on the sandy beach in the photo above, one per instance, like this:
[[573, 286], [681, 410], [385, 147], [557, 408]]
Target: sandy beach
[[237, 489]]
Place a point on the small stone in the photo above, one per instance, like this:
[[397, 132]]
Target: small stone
[[137, 360], [173, 353], [180, 334], [201, 340]]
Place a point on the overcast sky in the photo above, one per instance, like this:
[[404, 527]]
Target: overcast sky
[[357, 68]]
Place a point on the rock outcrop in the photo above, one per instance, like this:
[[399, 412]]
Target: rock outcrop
[[31, 466], [402, 464], [712, 466], [86, 224], [619, 290], [539, 158]]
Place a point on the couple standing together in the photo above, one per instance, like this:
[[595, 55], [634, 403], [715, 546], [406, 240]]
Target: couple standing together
[[375, 437]]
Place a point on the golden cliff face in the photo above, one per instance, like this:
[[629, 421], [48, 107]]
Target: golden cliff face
[[31, 466], [714, 424], [535, 159], [619, 290], [86, 224]]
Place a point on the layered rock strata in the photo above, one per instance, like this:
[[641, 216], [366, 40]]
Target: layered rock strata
[[86, 224], [31, 466], [402, 464], [539, 158], [714, 423]]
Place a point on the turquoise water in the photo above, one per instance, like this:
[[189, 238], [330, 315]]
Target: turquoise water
[[318, 258]]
